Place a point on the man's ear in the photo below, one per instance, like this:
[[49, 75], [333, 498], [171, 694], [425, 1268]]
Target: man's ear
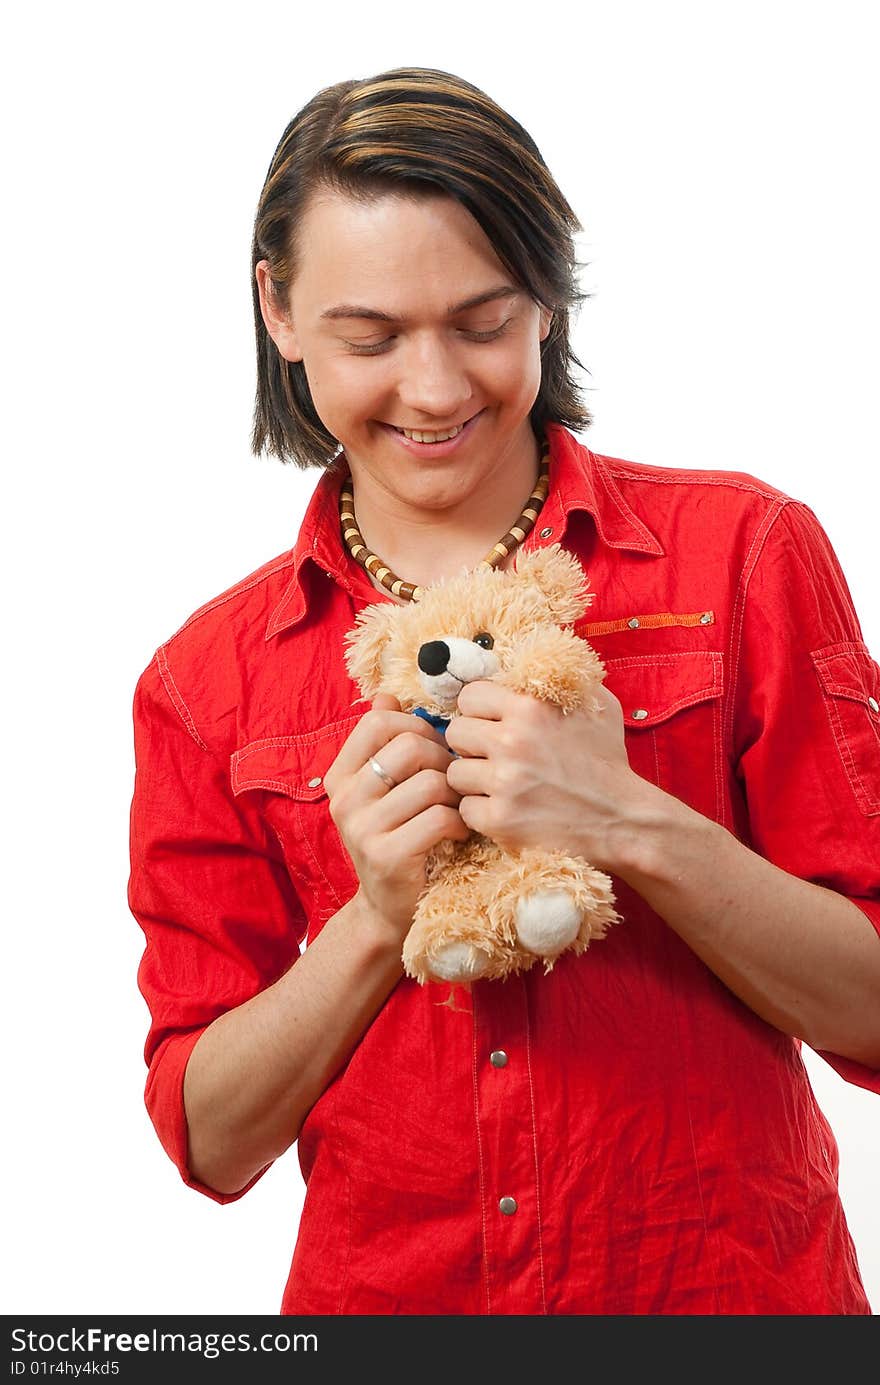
[[545, 318], [276, 316]]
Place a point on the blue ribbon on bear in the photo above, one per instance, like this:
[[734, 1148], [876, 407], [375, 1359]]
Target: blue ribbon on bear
[[439, 723]]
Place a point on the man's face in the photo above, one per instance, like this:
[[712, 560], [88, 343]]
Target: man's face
[[425, 367]]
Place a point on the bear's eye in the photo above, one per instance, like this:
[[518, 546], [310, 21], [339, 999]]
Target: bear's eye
[[483, 640]]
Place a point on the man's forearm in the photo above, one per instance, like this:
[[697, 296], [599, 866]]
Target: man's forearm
[[803, 957], [257, 1070]]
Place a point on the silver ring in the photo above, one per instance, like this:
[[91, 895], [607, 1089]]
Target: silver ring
[[383, 774]]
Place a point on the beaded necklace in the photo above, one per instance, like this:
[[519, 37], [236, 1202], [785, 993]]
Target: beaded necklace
[[409, 591]]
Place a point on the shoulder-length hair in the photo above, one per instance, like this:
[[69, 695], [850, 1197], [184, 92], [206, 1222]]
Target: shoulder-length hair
[[414, 131]]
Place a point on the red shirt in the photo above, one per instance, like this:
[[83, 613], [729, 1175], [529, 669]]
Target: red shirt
[[661, 1142]]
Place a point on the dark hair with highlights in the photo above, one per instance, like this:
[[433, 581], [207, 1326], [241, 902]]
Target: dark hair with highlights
[[416, 132]]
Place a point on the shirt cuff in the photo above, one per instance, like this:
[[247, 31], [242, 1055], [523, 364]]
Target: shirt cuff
[[164, 1102], [857, 1073]]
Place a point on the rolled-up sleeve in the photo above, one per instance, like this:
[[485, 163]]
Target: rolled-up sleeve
[[806, 723], [210, 890]]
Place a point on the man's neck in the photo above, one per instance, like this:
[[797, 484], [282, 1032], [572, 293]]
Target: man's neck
[[425, 545]]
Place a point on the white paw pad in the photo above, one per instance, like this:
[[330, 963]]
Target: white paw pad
[[547, 922], [459, 962]]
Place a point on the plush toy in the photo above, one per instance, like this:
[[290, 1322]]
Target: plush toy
[[486, 911]]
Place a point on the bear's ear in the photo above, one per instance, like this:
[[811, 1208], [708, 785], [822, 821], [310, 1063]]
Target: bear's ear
[[366, 644], [558, 575]]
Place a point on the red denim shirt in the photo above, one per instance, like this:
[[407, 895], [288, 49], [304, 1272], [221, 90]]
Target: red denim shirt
[[661, 1142]]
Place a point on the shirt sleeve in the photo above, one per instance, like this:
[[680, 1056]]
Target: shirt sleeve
[[806, 724], [211, 893]]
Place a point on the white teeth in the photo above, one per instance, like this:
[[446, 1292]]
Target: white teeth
[[429, 437]]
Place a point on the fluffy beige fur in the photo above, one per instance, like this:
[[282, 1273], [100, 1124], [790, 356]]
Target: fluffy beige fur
[[485, 911]]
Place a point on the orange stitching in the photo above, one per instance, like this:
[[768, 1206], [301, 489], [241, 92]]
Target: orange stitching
[[608, 627]]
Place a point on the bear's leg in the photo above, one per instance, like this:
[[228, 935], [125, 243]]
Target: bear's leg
[[551, 903], [451, 937]]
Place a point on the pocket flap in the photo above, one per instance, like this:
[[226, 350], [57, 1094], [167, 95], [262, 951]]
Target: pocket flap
[[653, 687], [847, 670], [292, 765]]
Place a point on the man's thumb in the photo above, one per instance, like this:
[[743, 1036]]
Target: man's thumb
[[386, 702]]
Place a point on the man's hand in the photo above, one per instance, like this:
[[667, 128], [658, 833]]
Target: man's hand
[[530, 775]]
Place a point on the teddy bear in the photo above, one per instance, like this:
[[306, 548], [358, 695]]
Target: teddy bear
[[487, 912]]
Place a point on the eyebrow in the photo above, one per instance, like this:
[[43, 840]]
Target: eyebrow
[[354, 310]]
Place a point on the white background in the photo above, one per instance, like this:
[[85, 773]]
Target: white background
[[722, 159]]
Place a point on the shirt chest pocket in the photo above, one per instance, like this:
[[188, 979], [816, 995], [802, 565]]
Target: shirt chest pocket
[[672, 718], [850, 682], [288, 771]]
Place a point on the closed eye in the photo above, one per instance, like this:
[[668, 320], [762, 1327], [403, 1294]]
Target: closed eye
[[381, 346]]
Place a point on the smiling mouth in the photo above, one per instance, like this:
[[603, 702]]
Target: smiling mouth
[[415, 436], [429, 435]]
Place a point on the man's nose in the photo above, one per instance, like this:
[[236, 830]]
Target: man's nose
[[433, 381]]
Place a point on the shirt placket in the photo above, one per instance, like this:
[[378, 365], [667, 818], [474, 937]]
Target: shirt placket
[[506, 1122]]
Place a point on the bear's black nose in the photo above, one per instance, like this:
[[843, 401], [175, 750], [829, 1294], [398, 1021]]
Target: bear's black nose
[[434, 657]]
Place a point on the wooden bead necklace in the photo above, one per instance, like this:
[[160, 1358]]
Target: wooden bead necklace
[[408, 591]]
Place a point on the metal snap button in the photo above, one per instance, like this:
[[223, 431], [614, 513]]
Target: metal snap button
[[508, 1206], [706, 618], [639, 714], [313, 783], [874, 704], [634, 623], [498, 1058], [545, 533]]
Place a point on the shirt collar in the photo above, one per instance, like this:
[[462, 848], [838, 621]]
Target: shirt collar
[[579, 480], [582, 480]]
